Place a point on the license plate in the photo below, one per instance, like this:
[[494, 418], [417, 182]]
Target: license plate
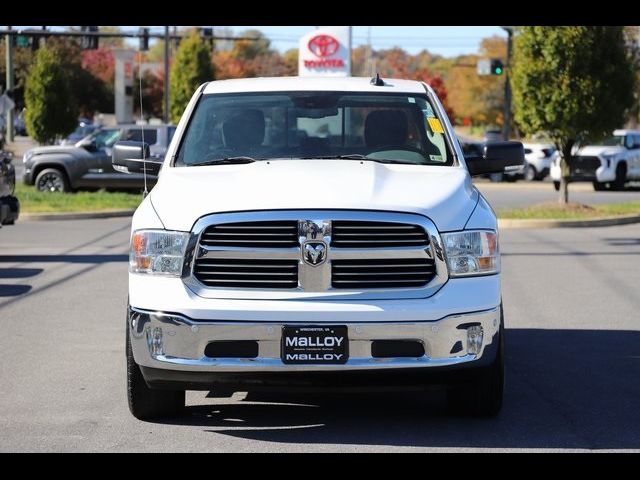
[[315, 345]]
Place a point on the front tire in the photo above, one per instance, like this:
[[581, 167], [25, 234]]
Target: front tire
[[52, 180], [556, 186], [482, 396], [146, 403], [621, 176], [530, 173], [599, 186]]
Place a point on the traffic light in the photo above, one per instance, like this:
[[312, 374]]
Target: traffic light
[[144, 39], [89, 42], [497, 68], [207, 34]]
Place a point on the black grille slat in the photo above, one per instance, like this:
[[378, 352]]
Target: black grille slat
[[381, 273], [276, 234], [247, 273], [585, 164], [362, 234]]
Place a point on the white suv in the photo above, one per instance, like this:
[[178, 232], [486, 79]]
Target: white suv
[[608, 164], [314, 232]]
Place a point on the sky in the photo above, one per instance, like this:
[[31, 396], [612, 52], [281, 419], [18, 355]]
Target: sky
[[445, 41]]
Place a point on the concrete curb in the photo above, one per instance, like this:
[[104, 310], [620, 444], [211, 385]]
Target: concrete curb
[[75, 215], [592, 222]]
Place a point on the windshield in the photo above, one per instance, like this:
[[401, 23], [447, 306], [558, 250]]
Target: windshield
[[615, 141], [398, 128], [104, 138]]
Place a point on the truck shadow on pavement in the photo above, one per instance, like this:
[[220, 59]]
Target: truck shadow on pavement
[[564, 389]]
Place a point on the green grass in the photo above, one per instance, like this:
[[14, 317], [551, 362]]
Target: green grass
[[573, 211], [32, 201]]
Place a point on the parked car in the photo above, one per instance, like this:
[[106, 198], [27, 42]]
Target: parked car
[[314, 232], [538, 160], [610, 163], [9, 205], [87, 164], [85, 127]]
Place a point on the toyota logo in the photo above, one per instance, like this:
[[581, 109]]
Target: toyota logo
[[323, 45]]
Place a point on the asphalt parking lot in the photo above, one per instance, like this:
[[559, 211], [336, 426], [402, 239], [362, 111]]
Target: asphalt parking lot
[[573, 358]]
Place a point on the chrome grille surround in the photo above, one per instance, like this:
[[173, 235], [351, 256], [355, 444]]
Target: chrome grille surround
[[315, 280]]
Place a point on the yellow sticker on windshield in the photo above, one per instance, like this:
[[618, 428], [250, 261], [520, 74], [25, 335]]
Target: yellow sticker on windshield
[[436, 126]]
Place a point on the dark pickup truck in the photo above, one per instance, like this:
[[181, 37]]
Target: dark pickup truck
[[87, 164]]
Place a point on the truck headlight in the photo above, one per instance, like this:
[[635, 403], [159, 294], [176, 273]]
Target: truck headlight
[[158, 252], [473, 252]]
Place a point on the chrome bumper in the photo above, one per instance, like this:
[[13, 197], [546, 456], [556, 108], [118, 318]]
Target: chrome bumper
[[174, 342]]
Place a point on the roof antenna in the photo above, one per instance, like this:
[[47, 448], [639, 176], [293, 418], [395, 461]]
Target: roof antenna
[[377, 81], [144, 150]]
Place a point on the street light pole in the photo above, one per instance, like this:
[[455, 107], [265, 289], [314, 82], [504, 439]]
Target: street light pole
[[506, 127], [9, 58], [166, 76]]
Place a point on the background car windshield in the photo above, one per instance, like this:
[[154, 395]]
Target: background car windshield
[[617, 140], [398, 128], [105, 138]]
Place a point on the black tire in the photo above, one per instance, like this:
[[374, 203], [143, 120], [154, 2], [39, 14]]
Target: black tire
[[52, 180], [621, 176], [530, 173], [599, 186], [482, 395], [556, 186], [146, 403], [496, 177]]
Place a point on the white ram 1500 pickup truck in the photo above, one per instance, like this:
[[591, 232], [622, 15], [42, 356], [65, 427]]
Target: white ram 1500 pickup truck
[[314, 232]]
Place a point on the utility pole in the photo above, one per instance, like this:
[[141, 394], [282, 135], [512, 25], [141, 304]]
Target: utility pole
[[506, 127], [165, 111], [9, 50]]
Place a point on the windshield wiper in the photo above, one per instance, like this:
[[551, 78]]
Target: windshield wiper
[[351, 156], [225, 161], [358, 156]]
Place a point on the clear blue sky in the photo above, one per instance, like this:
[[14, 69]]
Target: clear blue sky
[[446, 41]]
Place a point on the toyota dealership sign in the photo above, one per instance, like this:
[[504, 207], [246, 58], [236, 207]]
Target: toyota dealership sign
[[325, 52]]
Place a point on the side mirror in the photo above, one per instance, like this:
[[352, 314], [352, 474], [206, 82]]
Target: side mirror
[[89, 146], [496, 158], [127, 157]]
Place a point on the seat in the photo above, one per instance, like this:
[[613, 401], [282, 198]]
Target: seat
[[386, 129], [244, 129]]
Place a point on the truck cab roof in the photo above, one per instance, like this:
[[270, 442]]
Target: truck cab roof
[[338, 84]]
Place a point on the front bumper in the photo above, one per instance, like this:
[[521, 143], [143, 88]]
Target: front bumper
[[183, 341]]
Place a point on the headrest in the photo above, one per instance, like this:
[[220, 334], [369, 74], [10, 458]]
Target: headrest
[[245, 128], [386, 127]]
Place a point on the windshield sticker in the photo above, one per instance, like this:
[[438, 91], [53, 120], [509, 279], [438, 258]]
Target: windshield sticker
[[435, 125], [436, 158], [412, 100]]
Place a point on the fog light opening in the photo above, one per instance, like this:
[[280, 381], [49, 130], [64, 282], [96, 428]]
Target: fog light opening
[[475, 335], [154, 340]]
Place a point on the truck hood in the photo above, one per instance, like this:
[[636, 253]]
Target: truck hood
[[69, 150], [184, 194], [595, 150]]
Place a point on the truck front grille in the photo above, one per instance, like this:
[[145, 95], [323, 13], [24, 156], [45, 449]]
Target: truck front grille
[[247, 273], [382, 273], [361, 234], [252, 234], [581, 165], [296, 254]]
